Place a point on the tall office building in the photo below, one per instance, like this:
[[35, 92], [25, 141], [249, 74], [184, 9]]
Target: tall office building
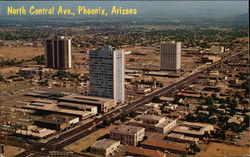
[[171, 55], [58, 52], [106, 73]]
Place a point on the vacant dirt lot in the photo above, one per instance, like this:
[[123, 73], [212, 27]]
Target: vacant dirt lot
[[20, 52], [220, 149], [11, 151], [88, 141]]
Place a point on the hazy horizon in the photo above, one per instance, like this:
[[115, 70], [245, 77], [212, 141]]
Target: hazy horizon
[[151, 9]]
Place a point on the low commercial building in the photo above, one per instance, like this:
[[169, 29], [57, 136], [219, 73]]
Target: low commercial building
[[157, 73], [153, 123], [144, 91], [164, 147], [236, 119], [129, 135], [35, 132], [34, 71], [166, 99], [193, 129], [154, 111], [210, 59], [130, 71], [42, 94], [129, 78], [140, 152], [56, 122], [188, 95], [216, 49], [103, 104], [181, 138], [163, 74], [74, 106], [104, 147], [48, 107]]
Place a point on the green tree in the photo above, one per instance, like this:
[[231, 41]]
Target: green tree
[[194, 148], [190, 117], [132, 114], [39, 60], [1, 78], [209, 101], [156, 99], [202, 118], [106, 122]]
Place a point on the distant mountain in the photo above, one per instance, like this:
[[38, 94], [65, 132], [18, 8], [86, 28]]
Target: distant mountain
[[242, 16]]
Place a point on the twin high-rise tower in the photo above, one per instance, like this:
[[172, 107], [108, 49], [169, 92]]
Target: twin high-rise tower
[[58, 53], [106, 73]]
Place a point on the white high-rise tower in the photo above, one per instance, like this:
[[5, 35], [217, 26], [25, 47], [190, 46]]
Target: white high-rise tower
[[106, 73]]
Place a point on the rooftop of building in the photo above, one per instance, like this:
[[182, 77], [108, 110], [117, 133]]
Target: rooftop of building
[[193, 128], [56, 109], [55, 118], [236, 119], [166, 98], [104, 144], [150, 117], [166, 122], [161, 121], [43, 101], [175, 135], [38, 133], [59, 38], [160, 73], [133, 71], [75, 105], [169, 42], [43, 94], [188, 94], [183, 137], [85, 99], [127, 129], [145, 152], [162, 144]]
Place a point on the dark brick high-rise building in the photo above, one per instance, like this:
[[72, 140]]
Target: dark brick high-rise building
[[58, 53]]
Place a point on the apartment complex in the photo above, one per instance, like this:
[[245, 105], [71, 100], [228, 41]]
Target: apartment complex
[[58, 53], [170, 55], [107, 74], [129, 135], [104, 147], [154, 123]]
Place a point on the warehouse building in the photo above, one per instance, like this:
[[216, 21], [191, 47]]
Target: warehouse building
[[49, 107], [103, 104], [56, 122]]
